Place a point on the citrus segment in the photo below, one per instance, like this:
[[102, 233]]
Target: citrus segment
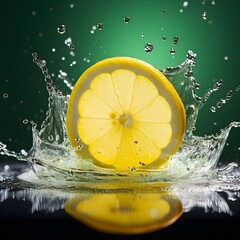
[[126, 114]]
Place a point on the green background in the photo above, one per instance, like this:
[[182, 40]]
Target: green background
[[31, 26]]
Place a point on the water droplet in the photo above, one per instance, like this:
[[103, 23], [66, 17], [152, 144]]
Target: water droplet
[[50, 138], [148, 47], [164, 38], [213, 109], [175, 40], [5, 95], [181, 10], [185, 4], [53, 50], [213, 2], [63, 58], [72, 53], [24, 152], [71, 5], [204, 16], [61, 29], [126, 19], [99, 26], [25, 121], [226, 58], [94, 27], [142, 34], [34, 13], [172, 51], [62, 74]]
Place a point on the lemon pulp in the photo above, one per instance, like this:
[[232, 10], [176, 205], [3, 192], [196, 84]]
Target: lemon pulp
[[126, 114]]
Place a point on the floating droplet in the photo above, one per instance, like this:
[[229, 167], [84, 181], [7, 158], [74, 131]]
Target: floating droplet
[[185, 4], [213, 109], [204, 16], [148, 47], [5, 95], [25, 121], [126, 19], [175, 40], [61, 29], [24, 152], [164, 38], [172, 51], [99, 26]]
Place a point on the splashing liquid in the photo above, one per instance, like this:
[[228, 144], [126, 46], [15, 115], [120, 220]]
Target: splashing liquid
[[52, 155]]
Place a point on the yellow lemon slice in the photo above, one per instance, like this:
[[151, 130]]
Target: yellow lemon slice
[[126, 114]]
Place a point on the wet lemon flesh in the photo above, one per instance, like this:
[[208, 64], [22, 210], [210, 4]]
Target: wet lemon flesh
[[126, 114]]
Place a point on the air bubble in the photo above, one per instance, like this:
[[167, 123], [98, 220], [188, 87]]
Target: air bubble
[[148, 47], [61, 29], [175, 40], [53, 50], [25, 121], [24, 152], [226, 58], [5, 95], [213, 109], [34, 13], [142, 34], [71, 5], [50, 138]]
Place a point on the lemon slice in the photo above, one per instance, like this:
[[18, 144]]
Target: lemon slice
[[126, 114]]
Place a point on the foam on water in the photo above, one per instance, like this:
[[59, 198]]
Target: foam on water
[[52, 155]]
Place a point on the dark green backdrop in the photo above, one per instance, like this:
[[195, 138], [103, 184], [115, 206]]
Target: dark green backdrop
[[28, 26]]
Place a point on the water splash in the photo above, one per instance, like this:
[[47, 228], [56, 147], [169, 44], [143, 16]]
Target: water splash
[[52, 156]]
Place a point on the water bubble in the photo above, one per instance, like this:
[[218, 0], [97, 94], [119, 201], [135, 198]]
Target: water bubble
[[71, 5], [204, 16], [172, 51], [92, 32], [126, 19], [50, 137], [6, 168], [148, 47], [213, 2], [175, 40], [53, 50], [185, 4], [5, 95], [34, 13], [94, 28], [213, 109], [25, 121], [226, 58], [72, 53], [164, 38], [63, 58], [99, 26], [24, 152], [62, 74], [181, 10], [61, 29], [142, 34]]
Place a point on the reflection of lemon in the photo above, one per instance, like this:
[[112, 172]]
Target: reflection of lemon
[[126, 213], [126, 114]]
